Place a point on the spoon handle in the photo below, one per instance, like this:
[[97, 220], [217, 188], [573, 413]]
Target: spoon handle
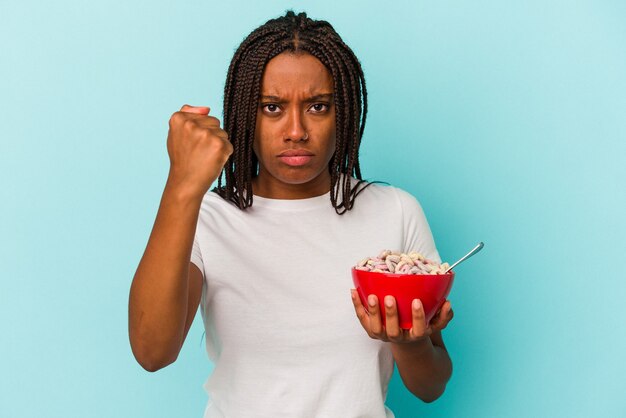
[[468, 255]]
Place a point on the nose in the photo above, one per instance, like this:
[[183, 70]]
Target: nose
[[294, 129]]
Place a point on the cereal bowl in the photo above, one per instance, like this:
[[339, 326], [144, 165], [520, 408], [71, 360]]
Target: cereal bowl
[[431, 289]]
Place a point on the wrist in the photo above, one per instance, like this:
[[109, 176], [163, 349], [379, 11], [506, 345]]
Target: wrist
[[419, 348], [181, 190], [182, 193]]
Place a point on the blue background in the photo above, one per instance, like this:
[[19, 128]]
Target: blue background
[[505, 119]]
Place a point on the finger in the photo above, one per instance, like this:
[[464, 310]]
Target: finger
[[419, 327], [392, 328], [449, 317], [202, 120], [208, 122], [375, 322], [438, 312], [441, 313], [445, 318], [361, 313], [441, 317], [201, 110], [222, 134]]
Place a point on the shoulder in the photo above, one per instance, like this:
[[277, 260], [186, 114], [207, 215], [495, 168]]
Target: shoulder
[[215, 207], [396, 202], [213, 199], [382, 192]]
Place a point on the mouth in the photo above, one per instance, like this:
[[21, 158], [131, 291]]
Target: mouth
[[295, 158]]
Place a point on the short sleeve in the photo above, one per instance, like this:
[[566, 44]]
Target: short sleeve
[[417, 234], [196, 254]]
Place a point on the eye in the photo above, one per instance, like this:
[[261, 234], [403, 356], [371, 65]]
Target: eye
[[270, 108], [319, 107]]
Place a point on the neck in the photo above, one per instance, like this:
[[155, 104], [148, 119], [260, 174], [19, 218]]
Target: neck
[[279, 190]]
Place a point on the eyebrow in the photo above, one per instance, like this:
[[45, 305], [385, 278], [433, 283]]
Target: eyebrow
[[309, 99]]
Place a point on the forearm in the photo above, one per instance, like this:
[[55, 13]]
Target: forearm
[[425, 368], [159, 292]]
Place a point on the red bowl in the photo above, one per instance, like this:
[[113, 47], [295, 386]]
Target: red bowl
[[431, 289]]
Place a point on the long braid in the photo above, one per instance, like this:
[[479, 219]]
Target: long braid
[[293, 33], [326, 57], [345, 154]]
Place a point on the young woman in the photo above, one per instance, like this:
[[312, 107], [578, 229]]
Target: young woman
[[267, 255]]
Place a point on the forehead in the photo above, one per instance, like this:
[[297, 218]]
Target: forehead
[[289, 73]]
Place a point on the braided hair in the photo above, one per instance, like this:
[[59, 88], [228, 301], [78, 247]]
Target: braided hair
[[293, 33]]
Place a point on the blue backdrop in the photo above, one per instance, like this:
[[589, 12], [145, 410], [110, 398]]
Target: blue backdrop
[[505, 119]]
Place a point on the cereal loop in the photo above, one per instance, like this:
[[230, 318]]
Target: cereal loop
[[389, 261]]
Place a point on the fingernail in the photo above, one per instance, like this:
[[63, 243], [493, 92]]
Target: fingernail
[[416, 303], [352, 293], [388, 302], [371, 300]]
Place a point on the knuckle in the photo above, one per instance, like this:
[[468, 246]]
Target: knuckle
[[176, 118], [188, 124], [419, 335], [205, 133], [374, 335], [393, 334], [219, 145], [213, 120]]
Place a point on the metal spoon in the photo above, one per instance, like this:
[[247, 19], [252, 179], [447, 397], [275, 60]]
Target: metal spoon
[[468, 255]]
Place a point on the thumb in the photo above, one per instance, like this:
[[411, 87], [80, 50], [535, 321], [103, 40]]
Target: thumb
[[200, 110]]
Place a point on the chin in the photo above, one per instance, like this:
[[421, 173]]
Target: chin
[[297, 176], [296, 179]]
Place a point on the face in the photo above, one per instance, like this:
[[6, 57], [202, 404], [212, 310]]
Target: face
[[295, 128]]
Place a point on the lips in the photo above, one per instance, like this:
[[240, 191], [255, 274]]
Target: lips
[[295, 153], [295, 158]]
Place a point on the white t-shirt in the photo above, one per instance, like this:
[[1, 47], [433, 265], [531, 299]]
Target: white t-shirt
[[280, 324]]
